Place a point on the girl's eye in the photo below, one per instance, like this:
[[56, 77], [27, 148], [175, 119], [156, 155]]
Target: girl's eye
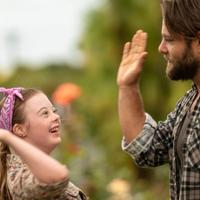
[[45, 113], [55, 110]]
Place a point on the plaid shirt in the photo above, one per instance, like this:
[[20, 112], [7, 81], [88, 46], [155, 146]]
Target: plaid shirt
[[156, 145]]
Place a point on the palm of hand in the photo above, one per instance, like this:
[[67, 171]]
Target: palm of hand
[[132, 60]]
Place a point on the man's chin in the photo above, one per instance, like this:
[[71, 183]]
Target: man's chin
[[170, 72], [169, 69]]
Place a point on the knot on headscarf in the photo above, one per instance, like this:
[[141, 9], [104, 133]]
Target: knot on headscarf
[[6, 113]]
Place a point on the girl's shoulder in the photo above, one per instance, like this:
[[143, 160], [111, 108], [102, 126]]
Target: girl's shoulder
[[21, 179], [14, 161]]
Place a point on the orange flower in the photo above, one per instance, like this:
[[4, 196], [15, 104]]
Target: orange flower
[[66, 93]]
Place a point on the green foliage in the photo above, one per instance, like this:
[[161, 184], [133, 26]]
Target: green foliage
[[46, 77], [91, 133]]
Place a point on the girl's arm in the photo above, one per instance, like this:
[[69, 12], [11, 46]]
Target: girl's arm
[[44, 168]]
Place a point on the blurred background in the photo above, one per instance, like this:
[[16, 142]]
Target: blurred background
[[71, 50]]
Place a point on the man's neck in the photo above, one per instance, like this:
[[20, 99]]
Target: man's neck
[[196, 79]]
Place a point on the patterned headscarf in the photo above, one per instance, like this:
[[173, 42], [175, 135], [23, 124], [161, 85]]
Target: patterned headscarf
[[6, 112]]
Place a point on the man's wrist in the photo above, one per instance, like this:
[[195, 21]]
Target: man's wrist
[[133, 87]]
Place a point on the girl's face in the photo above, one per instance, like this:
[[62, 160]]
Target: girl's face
[[42, 123]]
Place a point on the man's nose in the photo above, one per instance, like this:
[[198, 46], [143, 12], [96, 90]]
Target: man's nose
[[162, 47]]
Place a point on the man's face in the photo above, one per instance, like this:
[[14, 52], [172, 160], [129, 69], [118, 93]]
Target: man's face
[[181, 62]]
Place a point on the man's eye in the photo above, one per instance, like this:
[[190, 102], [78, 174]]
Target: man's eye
[[168, 39]]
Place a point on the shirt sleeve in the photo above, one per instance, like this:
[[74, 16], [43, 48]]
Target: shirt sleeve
[[151, 147], [143, 140], [23, 185]]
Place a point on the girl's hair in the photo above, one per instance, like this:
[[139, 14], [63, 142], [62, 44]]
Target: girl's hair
[[182, 17], [18, 117]]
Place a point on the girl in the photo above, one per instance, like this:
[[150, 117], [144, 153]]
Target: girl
[[29, 131]]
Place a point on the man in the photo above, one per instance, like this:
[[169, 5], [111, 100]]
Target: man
[[177, 140]]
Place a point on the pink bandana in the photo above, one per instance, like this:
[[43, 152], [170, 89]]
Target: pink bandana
[[6, 112]]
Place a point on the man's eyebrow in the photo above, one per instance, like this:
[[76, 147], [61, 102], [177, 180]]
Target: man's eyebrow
[[166, 35]]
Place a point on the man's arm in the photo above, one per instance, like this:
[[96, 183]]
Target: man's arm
[[130, 105]]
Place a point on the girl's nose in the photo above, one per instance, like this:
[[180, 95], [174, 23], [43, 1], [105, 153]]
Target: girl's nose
[[56, 116]]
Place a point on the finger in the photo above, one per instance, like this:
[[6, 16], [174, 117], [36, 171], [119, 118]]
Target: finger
[[141, 47], [126, 50], [135, 41], [142, 58], [139, 41]]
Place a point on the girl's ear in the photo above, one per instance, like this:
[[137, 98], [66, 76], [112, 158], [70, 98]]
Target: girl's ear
[[19, 130]]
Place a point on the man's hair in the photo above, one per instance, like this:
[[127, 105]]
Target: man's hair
[[182, 17]]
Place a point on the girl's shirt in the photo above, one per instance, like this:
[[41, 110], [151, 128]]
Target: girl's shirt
[[24, 186]]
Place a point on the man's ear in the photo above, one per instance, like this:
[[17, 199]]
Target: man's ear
[[196, 44], [198, 37], [19, 130]]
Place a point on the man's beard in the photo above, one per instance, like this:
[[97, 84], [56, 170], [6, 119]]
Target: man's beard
[[184, 68]]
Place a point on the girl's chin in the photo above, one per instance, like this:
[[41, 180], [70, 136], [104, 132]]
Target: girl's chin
[[54, 145], [56, 141]]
